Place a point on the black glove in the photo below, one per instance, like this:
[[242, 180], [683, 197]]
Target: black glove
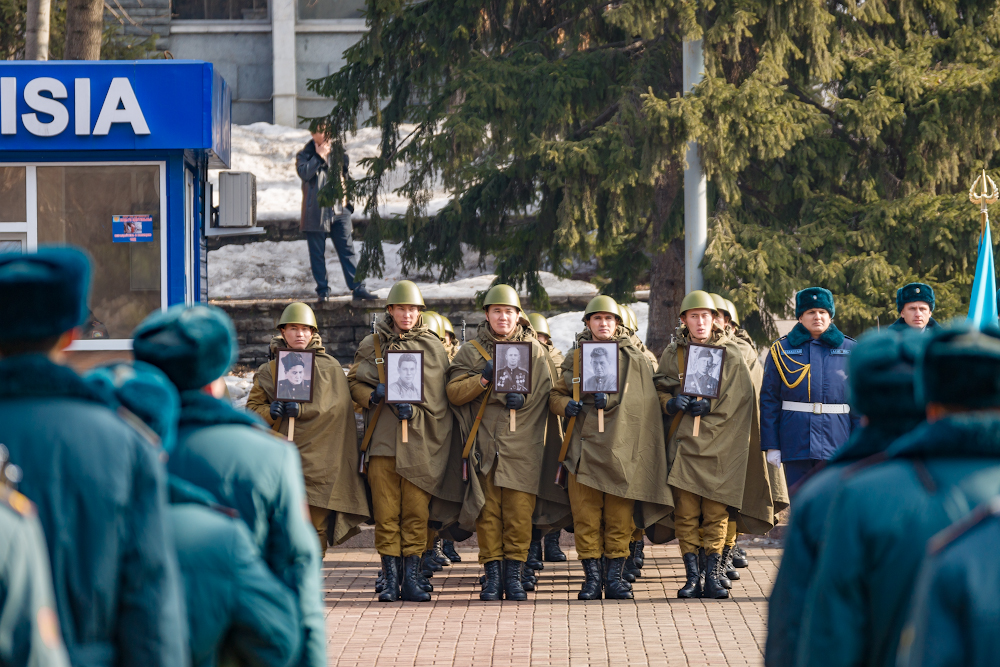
[[404, 411], [291, 410], [488, 371], [378, 394], [515, 401], [277, 410], [600, 401], [677, 404], [698, 407], [573, 408]]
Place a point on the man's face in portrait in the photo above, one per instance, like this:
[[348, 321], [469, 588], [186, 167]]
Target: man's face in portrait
[[599, 362], [407, 371], [296, 374], [513, 357]]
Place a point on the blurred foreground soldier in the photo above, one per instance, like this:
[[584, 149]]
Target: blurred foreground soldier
[[503, 464], [611, 472], [881, 519], [236, 608], [804, 415], [230, 454], [915, 303], [403, 476], [325, 429], [99, 488], [707, 471], [881, 379], [955, 610]]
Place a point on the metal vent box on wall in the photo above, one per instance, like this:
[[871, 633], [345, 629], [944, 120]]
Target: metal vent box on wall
[[237, 199]]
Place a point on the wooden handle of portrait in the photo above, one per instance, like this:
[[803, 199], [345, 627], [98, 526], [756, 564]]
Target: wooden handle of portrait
[[405, 435], [600, 420], [513, 420], [697, 426], [291, 428]]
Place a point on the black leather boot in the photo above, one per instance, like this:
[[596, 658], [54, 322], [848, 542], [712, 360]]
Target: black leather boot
[[637, 554], [390, 580], [727, 565], [429, 562], [553, 554], [702, 565], [512, 588], [528, 578], [448, 547], [692, 587], [721, 577], [439, 553], [739, 556], [535, 555], [631, 572], [412, 590], [424, 581], [713, 589], [615, 588], [380, 581], [491, 586], [592, 584]]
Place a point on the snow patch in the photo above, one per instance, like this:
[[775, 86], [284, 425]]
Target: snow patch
[[239, 389]]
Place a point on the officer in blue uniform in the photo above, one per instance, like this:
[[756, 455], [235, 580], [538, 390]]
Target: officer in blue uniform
[[915, 303], [804, 415]]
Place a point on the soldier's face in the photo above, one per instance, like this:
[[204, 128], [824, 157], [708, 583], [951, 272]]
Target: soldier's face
[[296, 374], [699, 323], [916, 314], [816, 321], [407, 371], [502, 319], [602, 325], [513, 357], [600, 365], [297, 336], [701, 363], [404, 316]]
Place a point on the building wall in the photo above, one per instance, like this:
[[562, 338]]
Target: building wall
[[318, 55]]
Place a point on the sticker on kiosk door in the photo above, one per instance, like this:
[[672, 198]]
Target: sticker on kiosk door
[[132, 228]]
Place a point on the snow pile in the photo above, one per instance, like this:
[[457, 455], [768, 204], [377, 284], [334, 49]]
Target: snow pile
[[566, 326], [239, 389]]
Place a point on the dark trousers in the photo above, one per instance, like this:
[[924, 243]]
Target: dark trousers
[[796, 470], [341, 231]]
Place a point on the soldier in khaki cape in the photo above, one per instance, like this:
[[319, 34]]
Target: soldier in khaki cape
[[500, 497], [707, 472], [403, 477], [617, 479], [325, 432]]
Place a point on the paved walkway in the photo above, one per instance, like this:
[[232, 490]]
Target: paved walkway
[[552, 627]]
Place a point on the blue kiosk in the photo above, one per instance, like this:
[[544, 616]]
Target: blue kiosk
[[113, 156]]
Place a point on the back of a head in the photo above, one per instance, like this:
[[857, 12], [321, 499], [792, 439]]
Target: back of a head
[[960, 368], [881, 379], [146, 392]]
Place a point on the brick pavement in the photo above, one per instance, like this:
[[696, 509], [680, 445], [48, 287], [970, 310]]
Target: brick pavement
[[552, 627]]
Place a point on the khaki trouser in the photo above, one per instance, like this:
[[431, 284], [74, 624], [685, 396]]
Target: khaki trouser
[[504, 524], [638, 534], [731, 534], [693, 512], [401, 510], [318, 517], [432, 536], [602, 523]]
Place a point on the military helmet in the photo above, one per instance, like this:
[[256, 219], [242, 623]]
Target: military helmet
[[698, 299], [720, 303], [732, 311], [434, 323], [502, 295], [632, 322], [447, 324], [539, 324], [298, 313], [603, 303], [406, 293]]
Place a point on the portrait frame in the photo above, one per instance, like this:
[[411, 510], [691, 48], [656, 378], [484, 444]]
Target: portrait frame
[[392, 360], [500, 364], [586, 372], [309, 359], [694, 349]]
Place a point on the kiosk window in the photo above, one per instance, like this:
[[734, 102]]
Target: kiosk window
[[76, 205], [331, 9], [13, 207]]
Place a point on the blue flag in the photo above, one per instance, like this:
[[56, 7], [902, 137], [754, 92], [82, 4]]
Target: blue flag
[[983, 303]]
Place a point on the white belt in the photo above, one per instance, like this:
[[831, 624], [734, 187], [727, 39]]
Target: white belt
[[816, 408]]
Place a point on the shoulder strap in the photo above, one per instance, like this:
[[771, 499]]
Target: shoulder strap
[[482, 350], [380, 367], [482, 408], [676, 423], [274, 378], [576, 397]]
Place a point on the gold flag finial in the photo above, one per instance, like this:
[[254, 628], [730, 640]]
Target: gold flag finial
[[983, 195]]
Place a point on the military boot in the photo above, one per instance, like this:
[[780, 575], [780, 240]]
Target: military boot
[[512, 588], [637, 555], [713, 589], [631, 572], [380, 581], [727, 564], [615, 588], [412, 590], [553, 554], [535, 555], [430, 562], [692, 588], [439, 553], [491, 590], [721, 577], [448, 547], [528, 578], [739, 556], [390, 580], [592, 585]]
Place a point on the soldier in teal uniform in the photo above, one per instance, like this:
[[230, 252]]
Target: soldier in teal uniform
[[915, 303]]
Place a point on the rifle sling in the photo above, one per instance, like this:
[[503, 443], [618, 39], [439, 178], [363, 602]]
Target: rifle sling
[[380, 367], [576, 397], [482, 408]]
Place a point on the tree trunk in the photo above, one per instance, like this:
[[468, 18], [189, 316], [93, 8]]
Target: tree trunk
[[36, 32], [84, 24], [666, 283]]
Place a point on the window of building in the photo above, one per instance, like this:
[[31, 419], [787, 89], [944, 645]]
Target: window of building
[[220, 10], [331, 9], [13, 195]]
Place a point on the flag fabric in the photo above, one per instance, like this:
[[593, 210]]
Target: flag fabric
[[983, 302]]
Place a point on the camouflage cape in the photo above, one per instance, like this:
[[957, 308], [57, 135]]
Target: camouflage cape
[[552, 510]]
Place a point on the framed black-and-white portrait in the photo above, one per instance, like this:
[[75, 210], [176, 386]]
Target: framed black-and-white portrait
[[295, 376], [599, 367], [404, 376], [512, 368], [703, 370]]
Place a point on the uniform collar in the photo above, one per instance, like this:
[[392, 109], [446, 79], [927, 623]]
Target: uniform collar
[[799, 336]]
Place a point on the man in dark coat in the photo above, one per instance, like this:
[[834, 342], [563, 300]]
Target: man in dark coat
[[881, 519], [915, 303], [881, 383], [98, 486], [295, 387]]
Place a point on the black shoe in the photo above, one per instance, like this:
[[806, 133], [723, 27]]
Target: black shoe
[[448, 547], [727, 565], [322, 296], [428, 565], [535, 555], [615, 587], [512, 588], [439, 553], [390, 580], [739, 556], [713, 589], [720, 575], [637, 555], [412, 589], [692, 587], [491, 587], [362, 294], [592, 585], [553, 554]]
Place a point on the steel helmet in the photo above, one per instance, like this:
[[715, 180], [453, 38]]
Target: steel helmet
[[698, 299], [447, 324], [405, 292], [632, 322], [539, 324], [298, 313], [434, 323], [732, 311], [603, 304], [502, 295]]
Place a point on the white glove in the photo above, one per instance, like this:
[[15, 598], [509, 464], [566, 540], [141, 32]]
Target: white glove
[[774, 457]]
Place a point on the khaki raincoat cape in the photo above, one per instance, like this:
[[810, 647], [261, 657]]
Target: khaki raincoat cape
[[552, 510], [629, 459], [423, 459], [517, 455], [325, 435]]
